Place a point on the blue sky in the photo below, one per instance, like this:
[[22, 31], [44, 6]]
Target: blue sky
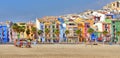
[[28, 10]]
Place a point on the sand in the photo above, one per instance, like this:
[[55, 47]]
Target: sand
[[61, 51]]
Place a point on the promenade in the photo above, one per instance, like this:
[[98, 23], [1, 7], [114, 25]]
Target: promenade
[[61, 51]]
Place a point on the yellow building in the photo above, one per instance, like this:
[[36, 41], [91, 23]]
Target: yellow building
[[22, 34], [83, 25], [80, 26], [32, 35], [29, 26]]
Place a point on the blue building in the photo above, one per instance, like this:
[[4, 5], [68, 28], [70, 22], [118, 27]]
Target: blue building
[[42, 28], [4, 36], [62, 30]]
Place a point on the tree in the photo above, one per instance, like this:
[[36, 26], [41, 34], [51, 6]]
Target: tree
[[40, 32], [33, 31], [105, 34], [47, 31], [16, 29], [90, 31], [78, 32], [21, 29], [28, 32], [118, 33], [57, 32], [67, 32]]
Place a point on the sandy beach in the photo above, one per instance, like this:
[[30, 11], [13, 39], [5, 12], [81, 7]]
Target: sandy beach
[[61, 51]]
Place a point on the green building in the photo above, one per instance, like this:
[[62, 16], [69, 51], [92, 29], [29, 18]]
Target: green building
[[115, 28], [107, 27]]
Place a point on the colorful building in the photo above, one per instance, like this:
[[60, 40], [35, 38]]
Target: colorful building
[[51, 23], [107, 27], [62, 30], [72, 37], [99, 20], [4, 34], [81, 26], [115, 29]]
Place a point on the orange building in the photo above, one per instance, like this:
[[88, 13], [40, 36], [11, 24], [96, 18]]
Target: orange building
[[84, 25]]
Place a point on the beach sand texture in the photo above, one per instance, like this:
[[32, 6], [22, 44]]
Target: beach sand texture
[[61, 51]]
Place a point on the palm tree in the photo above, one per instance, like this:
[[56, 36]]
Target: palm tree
[[79, 34], [105, 34], [90, 31], [22, 30], [15, 28], [40, 33], [67, 32], [118, 33], [28, 32], [33, 31], [57, 32], [47, 31]]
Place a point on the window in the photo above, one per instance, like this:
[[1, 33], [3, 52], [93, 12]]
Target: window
[[45, 26], [27, 26], [71, 24], [88, 26], [75, 29], [114, 30], [53, 30], [79, 24], [106, 26], [105, 29], [53, 35], [113, 22], [113, 26], [70, 29], [97, 18], [57, 26], [117, 4], [53, 26], [75, 34]]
